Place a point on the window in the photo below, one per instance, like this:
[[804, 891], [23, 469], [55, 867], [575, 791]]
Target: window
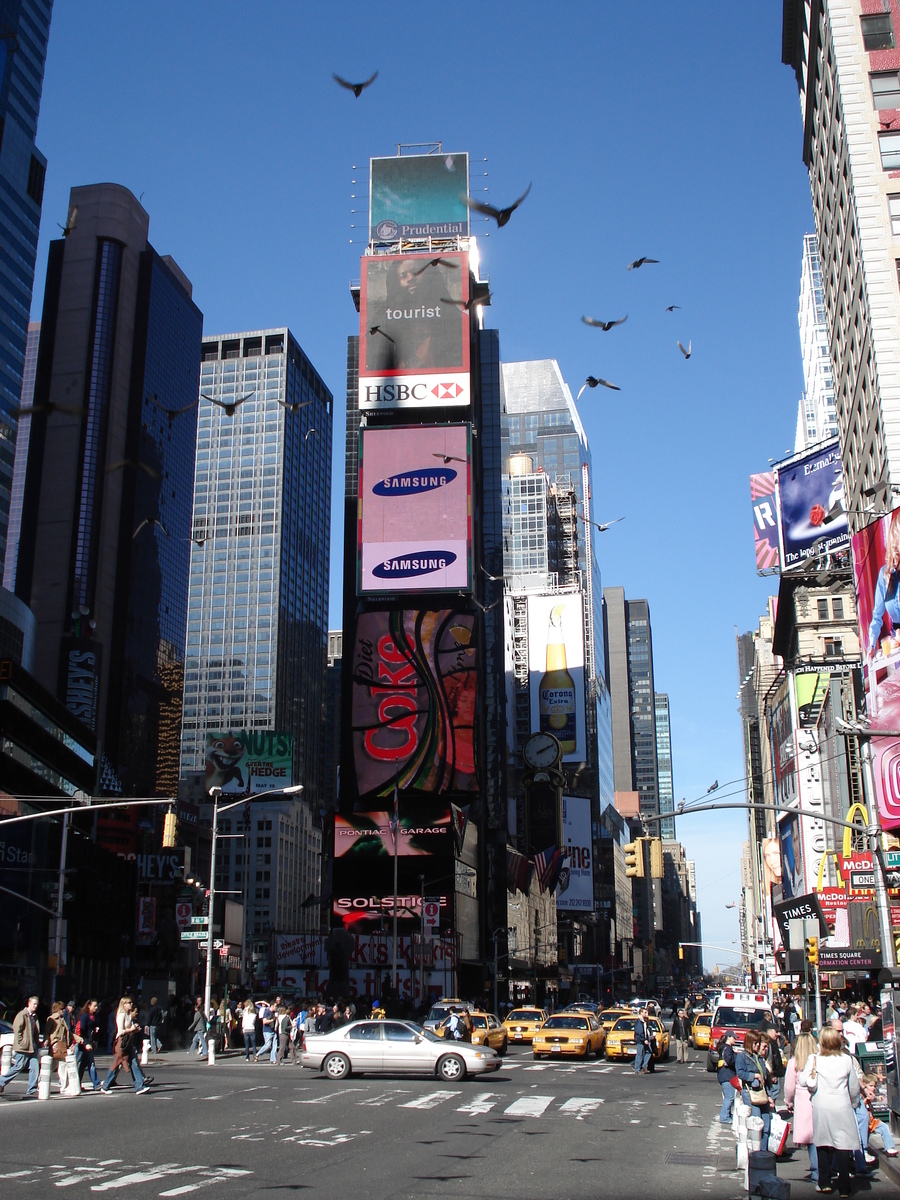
[[885, 89], [822, 606], [394, 1032], [889, 145], [368, 1031], [36, 173], [894, 210], [837, 606], [877, 32], [833, 648]]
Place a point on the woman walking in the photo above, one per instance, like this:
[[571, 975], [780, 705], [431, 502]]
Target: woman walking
[[248, 1028], [799, 1101], [831, 1079], [58, 1041], [751, 1069], [127, 1028]]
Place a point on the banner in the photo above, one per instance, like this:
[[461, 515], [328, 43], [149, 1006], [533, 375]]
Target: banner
[[575, 890], [765, 521], [556, 670], [244, 762], [812, 519], [418, 196]]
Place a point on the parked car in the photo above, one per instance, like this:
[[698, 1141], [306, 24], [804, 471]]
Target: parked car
[[438, 1013], [394, 1048]]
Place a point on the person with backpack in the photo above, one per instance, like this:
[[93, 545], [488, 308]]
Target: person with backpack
[[727, 1076]]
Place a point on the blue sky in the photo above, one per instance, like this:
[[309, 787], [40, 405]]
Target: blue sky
[[670, 130]]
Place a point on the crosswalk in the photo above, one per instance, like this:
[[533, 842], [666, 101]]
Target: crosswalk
[[528, 1105], [112, 1174]]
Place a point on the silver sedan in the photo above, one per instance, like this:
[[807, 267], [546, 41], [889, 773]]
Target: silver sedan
[[394, 1048]]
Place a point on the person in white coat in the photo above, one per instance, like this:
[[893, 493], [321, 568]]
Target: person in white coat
[[831, 1080]]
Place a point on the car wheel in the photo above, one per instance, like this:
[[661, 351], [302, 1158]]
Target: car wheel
[[451, 1068], [336, 1066], [503, 1049]]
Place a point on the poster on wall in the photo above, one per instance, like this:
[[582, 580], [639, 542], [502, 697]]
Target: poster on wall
[[556, 670], [765, 521], [812, 518], [575, 890], [414, 688], [415, 509], [792, 877]]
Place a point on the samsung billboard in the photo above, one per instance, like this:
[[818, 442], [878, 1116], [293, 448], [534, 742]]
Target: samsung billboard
[[415, 196], [415, 502], [414, 331]]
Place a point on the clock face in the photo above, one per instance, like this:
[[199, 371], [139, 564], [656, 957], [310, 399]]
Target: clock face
[[541, 750]]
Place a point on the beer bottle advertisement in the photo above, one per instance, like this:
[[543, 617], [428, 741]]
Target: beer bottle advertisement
[[556, 654]]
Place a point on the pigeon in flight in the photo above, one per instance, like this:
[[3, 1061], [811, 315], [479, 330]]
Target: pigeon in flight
[[639, 262], [732, 904], [592, 382], [172, 413], [135, 464], [604, 525], [151, 521], [71, 410], [437, 262], [308, 432], [493, 578], [500, 215], [293, 408], [672, 307], [468, 305], [485, 607], [228, 405], [686, 353], [70, 221], [447, 458], [355, 88], [605, 325]]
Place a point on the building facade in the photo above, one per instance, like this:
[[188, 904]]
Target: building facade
[[22, 435], [817, 415], [664, 765]]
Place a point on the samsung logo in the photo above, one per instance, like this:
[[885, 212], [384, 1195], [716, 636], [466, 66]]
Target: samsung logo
[[413, 482], [425, 562]]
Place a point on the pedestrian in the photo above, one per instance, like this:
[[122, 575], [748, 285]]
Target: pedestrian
[[283, 1032], [155, 1018], [267, 1019], [26, 1047], [725, 1073], [771, 1048], [273, 1045], [298, 1024], [681, 1033], [87, 1039], [751, 1069], [58, 1042], [642, 1047], [799, 1101], [248, 1028], [830, 1078], [127, 1029], [197, 1029], [876, 1125]]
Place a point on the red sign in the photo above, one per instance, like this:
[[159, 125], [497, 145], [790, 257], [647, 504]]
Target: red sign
[[184, 910]]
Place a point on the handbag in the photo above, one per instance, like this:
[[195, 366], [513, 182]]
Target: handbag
[[59, 1049], [759, 1097]]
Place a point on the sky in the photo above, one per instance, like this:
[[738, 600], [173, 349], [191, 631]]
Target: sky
[[670, 129]]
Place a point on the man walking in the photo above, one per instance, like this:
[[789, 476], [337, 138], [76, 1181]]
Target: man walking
[[26, 1040], [642, 1049], [681, 1033], [155, 1018], [197, 1029]]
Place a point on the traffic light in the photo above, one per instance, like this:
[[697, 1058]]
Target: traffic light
[[170, 828], [812, 951], [634, 858], [680, 951], [656, 859]]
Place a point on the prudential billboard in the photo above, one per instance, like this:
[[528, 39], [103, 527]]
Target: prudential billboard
[[414, 509], [418, 196]]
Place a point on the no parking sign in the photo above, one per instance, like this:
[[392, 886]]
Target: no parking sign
[[431, 916]]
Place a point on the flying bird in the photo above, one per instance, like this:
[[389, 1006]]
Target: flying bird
[[493, 578], [672, 307], [500, 215], [293, 408], [135, 464], [605, 325], [604, 525], [592, 382], [478, 298], [378, 329], [639, 262], [355, 88], [151, 521], [686, 353], [712, 787], [485, 607], [70, 221], [437, 262], [732, 904], [228, 405], [308, 432], [172, 413], [447, 458], [71, 410]]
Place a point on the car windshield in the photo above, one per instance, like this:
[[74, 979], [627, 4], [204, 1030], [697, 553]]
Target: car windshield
[[742, 1018], [704, 1019], [566, 1023], [525, 1014], [625, 1025], [438, 1014], [478, 1022]]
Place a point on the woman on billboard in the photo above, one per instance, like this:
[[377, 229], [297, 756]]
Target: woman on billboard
[[887, 589]]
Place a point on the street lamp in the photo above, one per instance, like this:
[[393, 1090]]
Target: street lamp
[[215, 793]]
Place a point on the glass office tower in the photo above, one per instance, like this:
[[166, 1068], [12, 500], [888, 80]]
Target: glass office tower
[[664, 766], [22, 435], [257, 609]]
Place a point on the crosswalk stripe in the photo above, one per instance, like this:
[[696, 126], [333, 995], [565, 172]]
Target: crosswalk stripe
[[580, 1105], [432, 1100], [482, 1103], [529, 1106]]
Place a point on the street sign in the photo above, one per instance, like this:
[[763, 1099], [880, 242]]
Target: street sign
[[199, 920], [431, 916], [194, 935], [866, 879]]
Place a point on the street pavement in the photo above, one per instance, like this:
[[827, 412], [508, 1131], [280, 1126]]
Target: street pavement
[[532, 1130]]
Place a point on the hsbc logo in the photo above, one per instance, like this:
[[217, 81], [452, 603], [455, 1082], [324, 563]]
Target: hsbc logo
[[446, 391], [413, 391], [395, 393]]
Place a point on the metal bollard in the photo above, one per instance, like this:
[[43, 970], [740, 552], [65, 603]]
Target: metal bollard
[[145, 1052], [211, 1052], [44, 1077], [5, 1059], [73, 1083]]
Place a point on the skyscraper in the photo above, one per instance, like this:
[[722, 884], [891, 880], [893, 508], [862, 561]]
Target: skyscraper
[[816, 416], [664, 765], [257, 613], [630, 645], [106, 511], [22, 435], [24, 30]]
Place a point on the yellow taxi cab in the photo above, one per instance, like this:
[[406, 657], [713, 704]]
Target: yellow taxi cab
[[609, 1016], [620, 1039], [523, 1023], [487, 1031], [569, 1033], [700, 1032]]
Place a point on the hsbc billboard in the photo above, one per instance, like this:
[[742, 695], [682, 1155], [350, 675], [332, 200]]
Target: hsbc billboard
[[414, 331]]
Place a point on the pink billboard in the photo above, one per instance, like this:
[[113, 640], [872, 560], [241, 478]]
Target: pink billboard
[[415, 509], [876, 571]]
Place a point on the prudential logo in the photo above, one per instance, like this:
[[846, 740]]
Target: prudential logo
[[410, 566]]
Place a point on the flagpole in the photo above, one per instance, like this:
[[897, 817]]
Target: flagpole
[[395, 825]]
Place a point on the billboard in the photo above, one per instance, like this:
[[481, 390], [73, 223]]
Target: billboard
[[415, 509], [792, 878], [367, 838], [575, 890], [242, 762], [812, 518], [556, 670], [765, 521], [413, 692], [418, 196], [414, 331], [876, 573], [781, 745]]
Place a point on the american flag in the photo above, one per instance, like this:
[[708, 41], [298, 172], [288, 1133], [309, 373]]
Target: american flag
[[548, 865], [518, 872]]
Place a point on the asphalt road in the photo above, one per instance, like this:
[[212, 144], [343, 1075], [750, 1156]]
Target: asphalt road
[[532, 1130]]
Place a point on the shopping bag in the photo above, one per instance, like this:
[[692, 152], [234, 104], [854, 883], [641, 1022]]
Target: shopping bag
[[779, 1132]]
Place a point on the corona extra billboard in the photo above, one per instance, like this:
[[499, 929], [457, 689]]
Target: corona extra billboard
[[556, 669]]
